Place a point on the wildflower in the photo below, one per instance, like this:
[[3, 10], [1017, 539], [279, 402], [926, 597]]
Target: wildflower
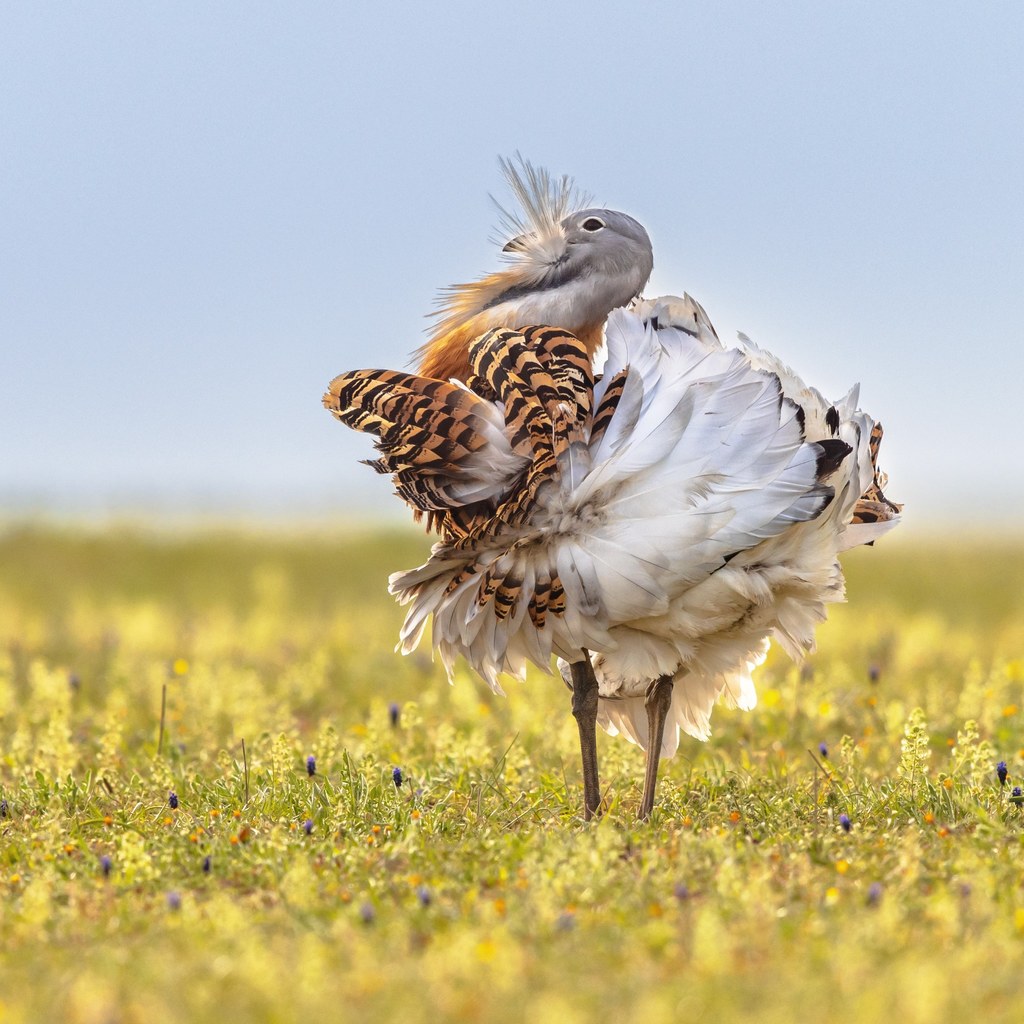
[[173, 901], [844, 820], [172, 799], [74, 680], [367, 913], [105, 865], [1002, 772], [307, 826], [396, 777], [565, 922], [874, 672], [423, 895], [206, 864], [311, 766], [823, 750], [1017, 797], [874, 893], [681, 891], [394, 712]]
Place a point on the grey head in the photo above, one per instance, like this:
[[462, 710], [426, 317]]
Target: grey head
[[568, 264]]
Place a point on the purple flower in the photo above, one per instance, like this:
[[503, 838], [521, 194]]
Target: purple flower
[[874, 893], [172, 799], [844, 820], [681, 891], [396, 777], [173, 901], [206, 864], [874, 673], [394, 713], [1017, 797], [423, 895], [823, 750], [1002, 772], [307, 826], [311, 766], [105, 865], [367, 913]]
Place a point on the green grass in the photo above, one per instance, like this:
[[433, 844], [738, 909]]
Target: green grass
[[474, 891]]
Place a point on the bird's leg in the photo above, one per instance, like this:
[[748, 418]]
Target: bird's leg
[[658, 700], [584, 710]]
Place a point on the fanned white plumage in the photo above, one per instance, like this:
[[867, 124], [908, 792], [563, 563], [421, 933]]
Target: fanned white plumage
[[854, 427], [693, 529]]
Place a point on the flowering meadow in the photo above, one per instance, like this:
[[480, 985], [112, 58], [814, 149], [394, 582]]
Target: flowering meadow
[[225, 797]]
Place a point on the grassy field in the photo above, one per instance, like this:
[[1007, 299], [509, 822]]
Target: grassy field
[[846, 852]]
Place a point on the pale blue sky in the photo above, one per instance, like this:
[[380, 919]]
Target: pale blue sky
[[207, 211]]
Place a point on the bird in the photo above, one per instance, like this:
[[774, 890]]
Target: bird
[[652, 526]]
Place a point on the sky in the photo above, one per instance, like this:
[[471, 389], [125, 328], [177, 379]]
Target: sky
[[208, 211]]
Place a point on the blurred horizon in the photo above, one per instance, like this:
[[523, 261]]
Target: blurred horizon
[[210, 212]]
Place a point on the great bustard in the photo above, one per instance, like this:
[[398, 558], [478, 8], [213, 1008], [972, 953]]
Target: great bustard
[[668, 518]]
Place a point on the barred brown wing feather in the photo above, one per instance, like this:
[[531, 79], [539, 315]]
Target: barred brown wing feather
[[874, 506], [473, 467], [443, 446], [606, 409]]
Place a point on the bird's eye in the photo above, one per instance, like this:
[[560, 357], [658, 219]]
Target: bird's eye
[[593, 224]]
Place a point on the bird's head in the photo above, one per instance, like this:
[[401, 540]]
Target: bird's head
[[568, 265]]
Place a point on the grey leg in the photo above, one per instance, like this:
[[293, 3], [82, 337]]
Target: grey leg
[[658, 700], [584, 710]]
